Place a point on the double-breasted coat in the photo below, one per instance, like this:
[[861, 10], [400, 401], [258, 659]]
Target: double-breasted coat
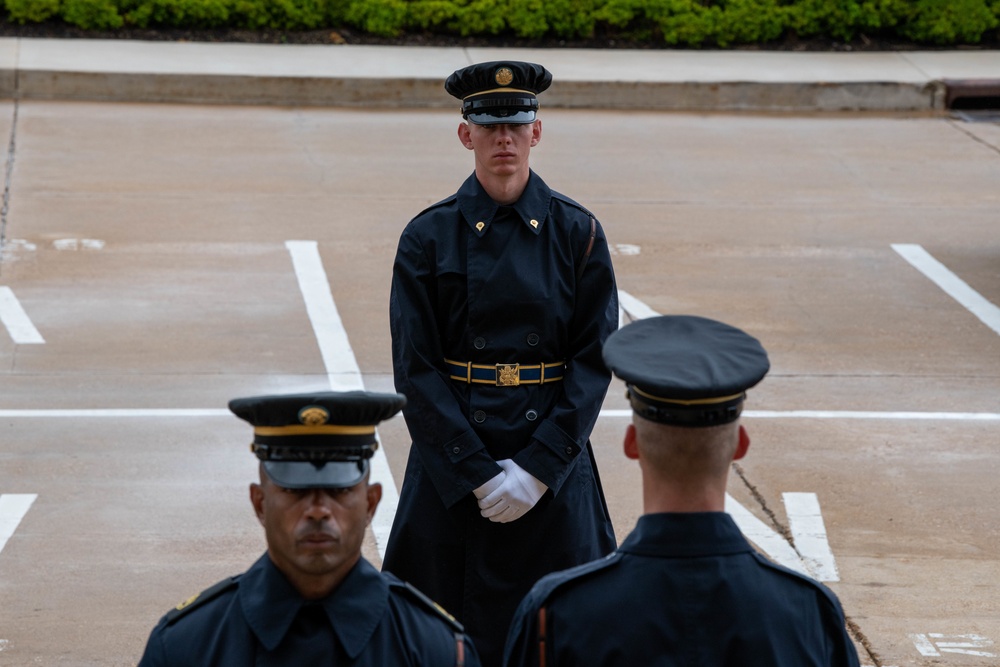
[[477, 283]]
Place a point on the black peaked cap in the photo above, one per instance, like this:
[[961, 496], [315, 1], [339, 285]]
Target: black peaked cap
[[686, 370], [320, 439], [499, 92]]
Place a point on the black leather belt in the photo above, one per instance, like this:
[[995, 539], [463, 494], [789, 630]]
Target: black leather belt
[[505, 375]]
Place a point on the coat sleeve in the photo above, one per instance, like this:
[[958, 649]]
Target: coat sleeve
[[842, 651], [563, 434], [154, 655], [454, 457]]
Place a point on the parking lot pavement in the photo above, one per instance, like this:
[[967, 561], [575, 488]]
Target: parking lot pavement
[[148, 248]]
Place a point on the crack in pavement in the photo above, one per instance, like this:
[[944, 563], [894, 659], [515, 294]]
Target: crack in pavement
[[9, 166], [854, 629]]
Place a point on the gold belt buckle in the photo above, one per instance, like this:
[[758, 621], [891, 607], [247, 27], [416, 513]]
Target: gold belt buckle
[[508, 375]]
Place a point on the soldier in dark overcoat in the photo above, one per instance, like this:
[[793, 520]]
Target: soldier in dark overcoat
[[502, 296], [312, 599], [685, 588]]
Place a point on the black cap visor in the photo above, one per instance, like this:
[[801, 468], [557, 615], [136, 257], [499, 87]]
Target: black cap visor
[[502, 117], [320, 475], [501, 109]]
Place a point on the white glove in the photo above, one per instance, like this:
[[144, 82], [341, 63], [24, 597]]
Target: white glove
[[517, 493], [489, 487]]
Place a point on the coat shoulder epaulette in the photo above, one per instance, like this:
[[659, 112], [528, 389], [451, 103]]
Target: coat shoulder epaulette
[[443, 202], [805, 580], [198, 600], [415, 595], [572, 202], [550, 584]]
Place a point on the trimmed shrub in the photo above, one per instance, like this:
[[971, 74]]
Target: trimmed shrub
[[179, 13], [683, 23], [279, 14], [31, 11], [479, 17], [571, 19], [92, 14], [434, 15], [385, 18], [950, 21], [749, 22], [844, 19]]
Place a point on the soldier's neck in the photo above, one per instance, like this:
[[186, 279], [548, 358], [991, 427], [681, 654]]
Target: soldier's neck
[[659, 496], [317, 586], [504, 190]]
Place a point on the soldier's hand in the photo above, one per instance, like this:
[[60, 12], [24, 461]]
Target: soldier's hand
[[517, 493], [489, 487]]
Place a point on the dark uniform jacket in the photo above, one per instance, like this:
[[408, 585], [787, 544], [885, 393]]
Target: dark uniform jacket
[[258, 619], [682, 590], [487, 284]]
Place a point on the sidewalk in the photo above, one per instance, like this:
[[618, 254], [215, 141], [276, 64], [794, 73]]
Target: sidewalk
[[394, 77]]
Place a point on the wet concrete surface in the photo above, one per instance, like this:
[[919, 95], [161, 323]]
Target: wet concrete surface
[[147, 245]]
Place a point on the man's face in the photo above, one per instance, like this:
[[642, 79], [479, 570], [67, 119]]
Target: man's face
[[501, 150], [314, 535]]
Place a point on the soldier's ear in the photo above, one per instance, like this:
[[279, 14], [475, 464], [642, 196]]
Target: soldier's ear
[[257, 500], [630, 446], [465, 135], [374, 497], [741, 449]]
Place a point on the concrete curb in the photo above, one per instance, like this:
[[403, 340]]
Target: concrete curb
[[407, 77], [426, 93]]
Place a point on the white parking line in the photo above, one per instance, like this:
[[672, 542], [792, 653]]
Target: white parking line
[[341, 367], [847, 414], [13, 507], [954, 286], [933, 644], [12, 316], [639, 310], [338, 357], [634, 307], [766, 539], [805, 521], [120, 412], [759, 414], [861, 414]]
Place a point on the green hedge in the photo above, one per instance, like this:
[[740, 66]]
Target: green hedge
[[681, 23]]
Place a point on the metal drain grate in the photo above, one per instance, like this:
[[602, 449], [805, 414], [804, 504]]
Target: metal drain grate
[[973, 100], [981, 116]]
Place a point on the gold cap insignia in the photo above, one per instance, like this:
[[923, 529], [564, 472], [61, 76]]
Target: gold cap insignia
[[479, 226], [313, 415], [503, 76]]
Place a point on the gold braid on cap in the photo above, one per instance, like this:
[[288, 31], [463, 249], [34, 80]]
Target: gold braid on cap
[[695, 401], [499, 90], [323, 429]]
